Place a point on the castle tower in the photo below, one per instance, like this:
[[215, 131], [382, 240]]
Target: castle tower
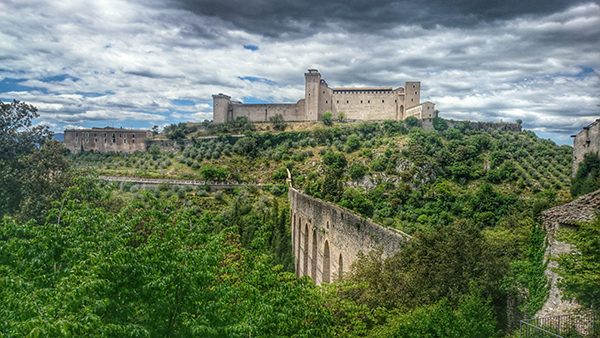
[[220, 108], [412, 94], [311, 94]]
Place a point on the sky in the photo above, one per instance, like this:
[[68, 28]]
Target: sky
[[136, 64]]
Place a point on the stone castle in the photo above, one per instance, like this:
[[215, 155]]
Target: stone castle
[[106, 139], [586, 141], [366, 104]]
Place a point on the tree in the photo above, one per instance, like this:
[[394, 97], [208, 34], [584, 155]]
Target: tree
[[439, 124], [519, 121], [411, 121], [341, 116], [321, 134], [327, 119], [587, 178], [278, 122], [154, 272], [579, 267], [32, 167], [155, 130], [352, 143]]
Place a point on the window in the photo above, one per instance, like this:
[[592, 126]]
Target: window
[[347, 101], [105, 140], [323, 92], [382, 101], [369, 101], [76, 140], [95, 134], [338, 101], [95, 140], [415, 93], [87, 134], [411, 100], [396, 101], [114, 138], [414, 86], [76, 134], [124, 141], [87, 140], [360, 101], [120, 135], [326, 101]]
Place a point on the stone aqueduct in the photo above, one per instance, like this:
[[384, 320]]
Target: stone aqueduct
[[326, 239]]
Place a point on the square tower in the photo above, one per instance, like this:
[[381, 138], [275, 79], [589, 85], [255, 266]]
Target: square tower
[[412, 94], [311, 94]]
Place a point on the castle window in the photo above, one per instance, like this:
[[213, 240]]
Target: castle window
[[120, 135], [326, 101], [76, 134], [347, 101], [95, 140], [105, 140], [396, 101], [369, 101], [415, 93], [124, 140], [114, 138], [87, 140], [414, 86], [411, 100], [360, 101], [338, 101], [382, 101], [323, 92], [87, 134], [95, 134], [76, 140]]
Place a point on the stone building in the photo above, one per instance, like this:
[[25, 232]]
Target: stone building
[[106, 139], [566, 216], [586, 141], [367, 104]]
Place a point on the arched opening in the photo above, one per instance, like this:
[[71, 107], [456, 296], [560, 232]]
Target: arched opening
[[297, 248], [293, 234], [402, 112], [326, 269], [341, 267], [313, 260], [305, 255]]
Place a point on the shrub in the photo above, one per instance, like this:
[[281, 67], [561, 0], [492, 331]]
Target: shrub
[[357, 171], [411, 121], [327, 118]]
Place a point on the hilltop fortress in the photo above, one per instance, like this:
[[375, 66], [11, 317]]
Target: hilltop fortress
[[367, 104]]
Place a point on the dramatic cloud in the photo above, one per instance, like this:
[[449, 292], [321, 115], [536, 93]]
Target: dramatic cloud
[[136, 64]]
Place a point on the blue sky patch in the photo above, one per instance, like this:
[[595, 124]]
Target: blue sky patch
[[251, 47], [14, 85], [58, 78], [257, 79], [183, 102], [254, 100]]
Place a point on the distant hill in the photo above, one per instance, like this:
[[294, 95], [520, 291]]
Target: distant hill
[[59, 137]]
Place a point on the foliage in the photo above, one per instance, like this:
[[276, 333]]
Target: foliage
[[472, 318], [278, 122], [579, 268], [341, 116], [439, 124], [357, 171], [153, 272], [587, 178], [210, 173], [327, 119], [411, 121], [33, 170], [352, 143]]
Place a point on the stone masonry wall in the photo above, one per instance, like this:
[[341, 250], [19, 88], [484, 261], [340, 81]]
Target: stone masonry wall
[[586, 141], [262, 112], [326, 238]]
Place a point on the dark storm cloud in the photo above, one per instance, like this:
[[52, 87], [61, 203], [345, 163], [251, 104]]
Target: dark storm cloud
[[293, 18]]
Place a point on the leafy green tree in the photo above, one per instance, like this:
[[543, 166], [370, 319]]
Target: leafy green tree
[[154, 272], [579, 268], [411, 122], [327, 119], [519, 121], [33, 169], [472, 318], [353, 142], [439, 124], [587, 178], [278, 122], [357, 171], [341, 116], [321, 134], [454, 134]]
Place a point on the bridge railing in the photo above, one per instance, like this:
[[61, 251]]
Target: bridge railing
[[574, 325]]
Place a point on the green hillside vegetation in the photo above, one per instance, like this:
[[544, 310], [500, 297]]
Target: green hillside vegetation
[[115, 260]]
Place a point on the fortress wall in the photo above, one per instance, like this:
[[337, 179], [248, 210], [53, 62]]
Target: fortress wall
[[586, 141], [375, 105], [102, 140], [317, 225], [262, 112]]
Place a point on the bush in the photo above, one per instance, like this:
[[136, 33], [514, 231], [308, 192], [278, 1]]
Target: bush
[[357, 171], [327, 118], [352, 143], [411, 121]]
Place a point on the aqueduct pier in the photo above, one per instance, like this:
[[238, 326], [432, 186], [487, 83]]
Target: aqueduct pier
[[326, 238]]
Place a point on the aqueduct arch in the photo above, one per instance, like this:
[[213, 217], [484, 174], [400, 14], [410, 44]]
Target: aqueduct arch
[[322, 232]]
